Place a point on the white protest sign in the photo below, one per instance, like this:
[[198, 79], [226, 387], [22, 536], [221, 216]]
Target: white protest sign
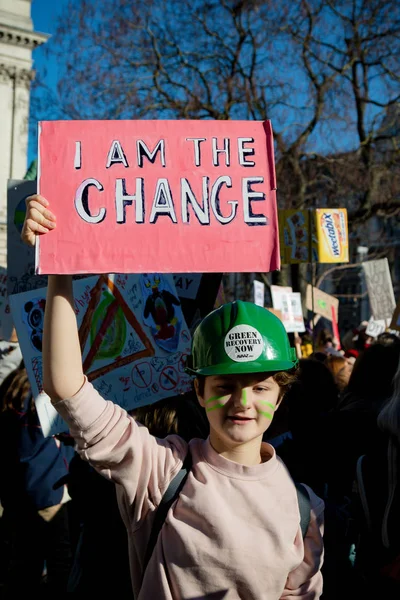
[[259, 292], [276, 294], [380, 288], [289, 303], [375, 328], [297, 320], [292, 312], [133, 336]]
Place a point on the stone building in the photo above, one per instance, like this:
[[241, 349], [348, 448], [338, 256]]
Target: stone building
[[17, 40]]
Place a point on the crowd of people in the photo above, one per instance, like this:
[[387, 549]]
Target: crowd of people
[[79, 508]]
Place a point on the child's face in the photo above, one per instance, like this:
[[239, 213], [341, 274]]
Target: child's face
[[239, 408]]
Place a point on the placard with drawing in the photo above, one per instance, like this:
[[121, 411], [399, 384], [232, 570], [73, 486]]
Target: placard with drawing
[[133, 336]]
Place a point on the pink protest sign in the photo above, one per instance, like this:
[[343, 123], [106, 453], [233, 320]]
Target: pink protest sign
[[158, 196]]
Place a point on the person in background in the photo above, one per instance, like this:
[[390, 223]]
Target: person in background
[[311, 397], [305, 448], [10, 355], [387, 518], [324, 341], [361, 340], [387, 338], [35, 518], [351, 356], [376, 506], [341, 368], [354, 421]]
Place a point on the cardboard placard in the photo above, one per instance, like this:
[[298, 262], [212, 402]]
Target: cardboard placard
[[197, 291], [332, 235], [295, 230], [276, 294], [323, 303], [158, 196], [20, 257], [380, 288], [259, 292], [375, 328], [134, 339], [200, 296], [292, 315], [314, 235], [289, 305]]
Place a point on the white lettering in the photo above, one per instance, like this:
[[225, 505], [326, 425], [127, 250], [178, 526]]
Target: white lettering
[[163, 203], [245, 151], [122, 199], [187, 196], [116, 155], [78, 156], [215, 202], [82, 202], [251, 196], [142, 150], [197, 153], [216, 152]]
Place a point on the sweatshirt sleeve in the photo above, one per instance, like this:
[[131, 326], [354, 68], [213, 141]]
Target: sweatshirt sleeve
[[121, 449], [305, 582]]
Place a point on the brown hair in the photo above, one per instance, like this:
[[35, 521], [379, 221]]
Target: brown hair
[[160, 418], [283, 378], [335, 363], [180, 414], [15, 389]]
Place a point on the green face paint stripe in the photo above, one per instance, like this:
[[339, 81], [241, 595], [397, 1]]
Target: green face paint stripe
[[244, 398], [214, 407], [214, 398], [265, 414], [268, 404]]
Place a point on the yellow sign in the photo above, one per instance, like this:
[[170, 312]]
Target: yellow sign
[[295, 236], [332, 236], [322, 232]]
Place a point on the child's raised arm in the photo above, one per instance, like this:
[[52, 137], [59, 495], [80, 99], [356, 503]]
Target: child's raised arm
[[104, 433], [62, 360]]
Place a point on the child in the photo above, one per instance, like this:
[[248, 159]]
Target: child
[[234, 531]]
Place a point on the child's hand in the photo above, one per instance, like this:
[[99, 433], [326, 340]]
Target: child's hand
[[38, 219]]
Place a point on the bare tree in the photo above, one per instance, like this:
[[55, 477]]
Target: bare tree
[[326, 72]]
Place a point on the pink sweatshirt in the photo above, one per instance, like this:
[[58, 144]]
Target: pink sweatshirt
[[234, 531]]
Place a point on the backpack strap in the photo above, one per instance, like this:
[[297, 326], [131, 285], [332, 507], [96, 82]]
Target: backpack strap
[[304, 501], [170, 495]]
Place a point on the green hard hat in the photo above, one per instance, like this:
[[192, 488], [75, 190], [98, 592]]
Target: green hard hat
[[240, 337]]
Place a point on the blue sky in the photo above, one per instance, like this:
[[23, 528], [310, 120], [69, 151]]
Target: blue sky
[[44, 16]]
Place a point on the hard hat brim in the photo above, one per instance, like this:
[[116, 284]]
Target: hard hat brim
[[271, 366]]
